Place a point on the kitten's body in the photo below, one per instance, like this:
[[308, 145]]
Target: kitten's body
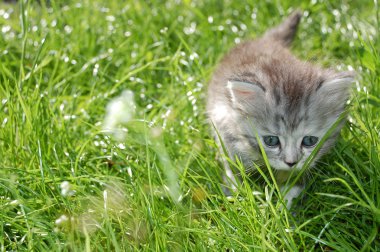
[[259, 87]]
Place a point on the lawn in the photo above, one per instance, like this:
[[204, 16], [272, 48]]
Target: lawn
[[69, 183]]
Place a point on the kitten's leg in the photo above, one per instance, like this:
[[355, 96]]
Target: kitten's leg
[[229, 178], [292, 193]]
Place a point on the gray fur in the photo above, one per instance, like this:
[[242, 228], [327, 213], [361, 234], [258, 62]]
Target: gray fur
[[261, 87]]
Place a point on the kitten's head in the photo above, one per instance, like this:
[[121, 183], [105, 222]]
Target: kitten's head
[[291, 105]]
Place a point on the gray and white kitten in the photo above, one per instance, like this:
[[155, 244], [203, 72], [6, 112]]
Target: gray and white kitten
[[261, 88]]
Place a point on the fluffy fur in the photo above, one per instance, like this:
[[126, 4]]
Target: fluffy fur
[[260, 87]]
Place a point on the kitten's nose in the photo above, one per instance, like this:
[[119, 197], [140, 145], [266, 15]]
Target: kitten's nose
[[291, 164]]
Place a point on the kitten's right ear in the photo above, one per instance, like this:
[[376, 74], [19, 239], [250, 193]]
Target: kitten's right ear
[[243, 92], [336, 88]]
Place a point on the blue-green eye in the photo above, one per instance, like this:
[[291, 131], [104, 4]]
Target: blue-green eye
[[271, 141], [309, 141]]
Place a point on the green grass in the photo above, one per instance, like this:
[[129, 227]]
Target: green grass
[[60, 65]]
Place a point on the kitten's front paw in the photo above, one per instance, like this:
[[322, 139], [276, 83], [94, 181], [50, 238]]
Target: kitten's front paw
[[291, 194]]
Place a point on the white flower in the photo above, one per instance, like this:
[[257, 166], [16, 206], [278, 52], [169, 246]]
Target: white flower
[[66, 189], [119, 110], [62, 219]]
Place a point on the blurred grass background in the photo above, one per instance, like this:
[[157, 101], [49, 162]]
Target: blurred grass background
[[66, 186]]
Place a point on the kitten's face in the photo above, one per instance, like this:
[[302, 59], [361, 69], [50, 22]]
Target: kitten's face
[[286, 147], [290, 113]]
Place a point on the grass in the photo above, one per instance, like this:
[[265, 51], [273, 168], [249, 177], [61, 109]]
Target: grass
[[159, 189]]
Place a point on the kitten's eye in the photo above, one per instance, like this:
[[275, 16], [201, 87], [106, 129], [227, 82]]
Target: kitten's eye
[[271, 141], [309, 141]]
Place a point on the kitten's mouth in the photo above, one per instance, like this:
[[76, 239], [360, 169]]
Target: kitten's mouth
[[285, 168]]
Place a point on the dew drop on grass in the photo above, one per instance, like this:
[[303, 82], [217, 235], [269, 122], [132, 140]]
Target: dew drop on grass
[[95, 70], [4, 122], [193, 56], [14, 202], [190, 29], [111, 28], [5, 28], [121, 146], [358, 87], [6, 15], [68, 29], [104, 9], [365, 90], [289, 230], [336, 13], [129, 171], [65, 58], [243, 27], [110, 18], [234, 29], [149, 106], [184, 62]]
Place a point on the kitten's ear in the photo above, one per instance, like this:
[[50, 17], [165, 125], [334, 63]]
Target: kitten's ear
[[242, 92], [337, 87]]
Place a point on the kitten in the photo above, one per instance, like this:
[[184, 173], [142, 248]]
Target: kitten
[[261, 88]]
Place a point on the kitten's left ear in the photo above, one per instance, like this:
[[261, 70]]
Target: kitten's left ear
[[242, 92], [337, 87]]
